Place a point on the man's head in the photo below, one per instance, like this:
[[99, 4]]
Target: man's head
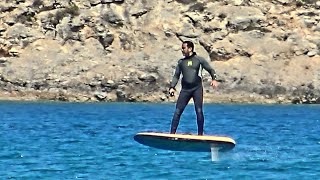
[[187, 48]]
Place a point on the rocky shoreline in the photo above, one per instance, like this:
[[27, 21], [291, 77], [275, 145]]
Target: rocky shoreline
[[215, 97], [116, 50]]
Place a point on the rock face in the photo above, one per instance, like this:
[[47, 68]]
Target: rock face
[[126, 50]]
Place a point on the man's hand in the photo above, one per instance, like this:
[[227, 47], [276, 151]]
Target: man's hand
[[214, 84], [172, 91]]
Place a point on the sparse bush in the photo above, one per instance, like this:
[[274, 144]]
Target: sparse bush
[[4, 52], [26, 18], [200, 7], [308, 1], [185, 1], [37, 3], [303, 2], [113, 19], [72, 10]]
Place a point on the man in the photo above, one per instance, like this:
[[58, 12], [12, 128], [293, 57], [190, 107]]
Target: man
[[190, 66]]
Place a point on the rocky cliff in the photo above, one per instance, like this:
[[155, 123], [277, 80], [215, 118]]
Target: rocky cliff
[[264, 51]]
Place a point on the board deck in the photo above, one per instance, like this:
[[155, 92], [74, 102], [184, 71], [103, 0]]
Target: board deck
[[185, 142]]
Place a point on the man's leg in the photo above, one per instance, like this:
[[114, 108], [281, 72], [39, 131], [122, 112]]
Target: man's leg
[[182, 102], [198, 104]]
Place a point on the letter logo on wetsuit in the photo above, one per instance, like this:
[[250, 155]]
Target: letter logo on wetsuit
[[189, 63]]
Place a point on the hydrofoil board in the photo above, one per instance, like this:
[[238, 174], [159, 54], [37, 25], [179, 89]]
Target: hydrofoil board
[[185, 142]]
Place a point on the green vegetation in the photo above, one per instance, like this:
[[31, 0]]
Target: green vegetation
[[37, 3], [72, 10], [308, 1], [26, 18], [303, 2], [112, 19]]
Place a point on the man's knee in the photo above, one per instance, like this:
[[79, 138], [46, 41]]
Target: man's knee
[[199, 110], [178, 112]]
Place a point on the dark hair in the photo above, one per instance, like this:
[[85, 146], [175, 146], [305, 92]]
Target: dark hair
[[189, 44]]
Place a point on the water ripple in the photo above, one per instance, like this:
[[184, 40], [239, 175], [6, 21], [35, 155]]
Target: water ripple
[[95, 141]]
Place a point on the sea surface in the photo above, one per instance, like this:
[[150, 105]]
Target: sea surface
[[46, 140]]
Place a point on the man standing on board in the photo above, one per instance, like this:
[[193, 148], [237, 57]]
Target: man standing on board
[[190, 67]]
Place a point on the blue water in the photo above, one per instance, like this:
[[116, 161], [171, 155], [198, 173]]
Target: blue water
[[95, 141]]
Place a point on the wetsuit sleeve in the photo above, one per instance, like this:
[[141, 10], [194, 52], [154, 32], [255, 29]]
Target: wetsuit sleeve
[[208, 68], [176, 76]]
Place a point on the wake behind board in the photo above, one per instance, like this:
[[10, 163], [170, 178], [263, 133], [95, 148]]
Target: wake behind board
[[185, 142]]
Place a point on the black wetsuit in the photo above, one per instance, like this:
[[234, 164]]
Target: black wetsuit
[[191, 82]]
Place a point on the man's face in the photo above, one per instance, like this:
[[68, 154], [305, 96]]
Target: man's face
[[185, 50]]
